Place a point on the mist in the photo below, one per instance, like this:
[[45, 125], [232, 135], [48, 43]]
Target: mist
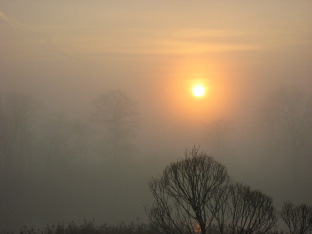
[[96, 100]]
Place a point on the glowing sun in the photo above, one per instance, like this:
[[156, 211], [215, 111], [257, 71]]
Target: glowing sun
[[199, 90]]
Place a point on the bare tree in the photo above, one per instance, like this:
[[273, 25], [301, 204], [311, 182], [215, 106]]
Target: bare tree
[[183, 194], [297, 218], [250, 211], [119, 116], [220, 205]]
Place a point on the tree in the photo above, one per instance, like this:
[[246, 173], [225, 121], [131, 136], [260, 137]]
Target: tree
[[239, 209], [119, 116], [195, 195], [250, 211], [219, 204], [297, 218], [183, 194]]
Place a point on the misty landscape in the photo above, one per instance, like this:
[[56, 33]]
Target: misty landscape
[[155, 116]]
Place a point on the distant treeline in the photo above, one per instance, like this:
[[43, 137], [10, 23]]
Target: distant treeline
[[89, 227]]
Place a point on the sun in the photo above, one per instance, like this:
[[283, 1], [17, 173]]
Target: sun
[[199, 90]]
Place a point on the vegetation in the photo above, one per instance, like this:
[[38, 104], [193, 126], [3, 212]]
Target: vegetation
[[194, 195], [91, 228], [297, 218]]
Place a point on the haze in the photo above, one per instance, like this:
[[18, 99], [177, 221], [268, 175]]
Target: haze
[[65, 54]]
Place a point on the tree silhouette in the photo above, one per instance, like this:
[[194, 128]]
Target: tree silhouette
[[195, 195], [250, 211], [238, 209], [297, 218], [183, 194], [119, 116]]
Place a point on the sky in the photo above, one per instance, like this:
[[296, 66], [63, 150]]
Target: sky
[[67, 53], [152, 48]]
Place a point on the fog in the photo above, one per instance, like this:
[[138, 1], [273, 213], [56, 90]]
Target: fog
[[62, 160]]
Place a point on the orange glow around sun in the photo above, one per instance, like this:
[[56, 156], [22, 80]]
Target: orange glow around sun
[[195, 92]]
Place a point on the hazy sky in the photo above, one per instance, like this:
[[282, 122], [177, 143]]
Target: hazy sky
[[68, 52], [65, 53]]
